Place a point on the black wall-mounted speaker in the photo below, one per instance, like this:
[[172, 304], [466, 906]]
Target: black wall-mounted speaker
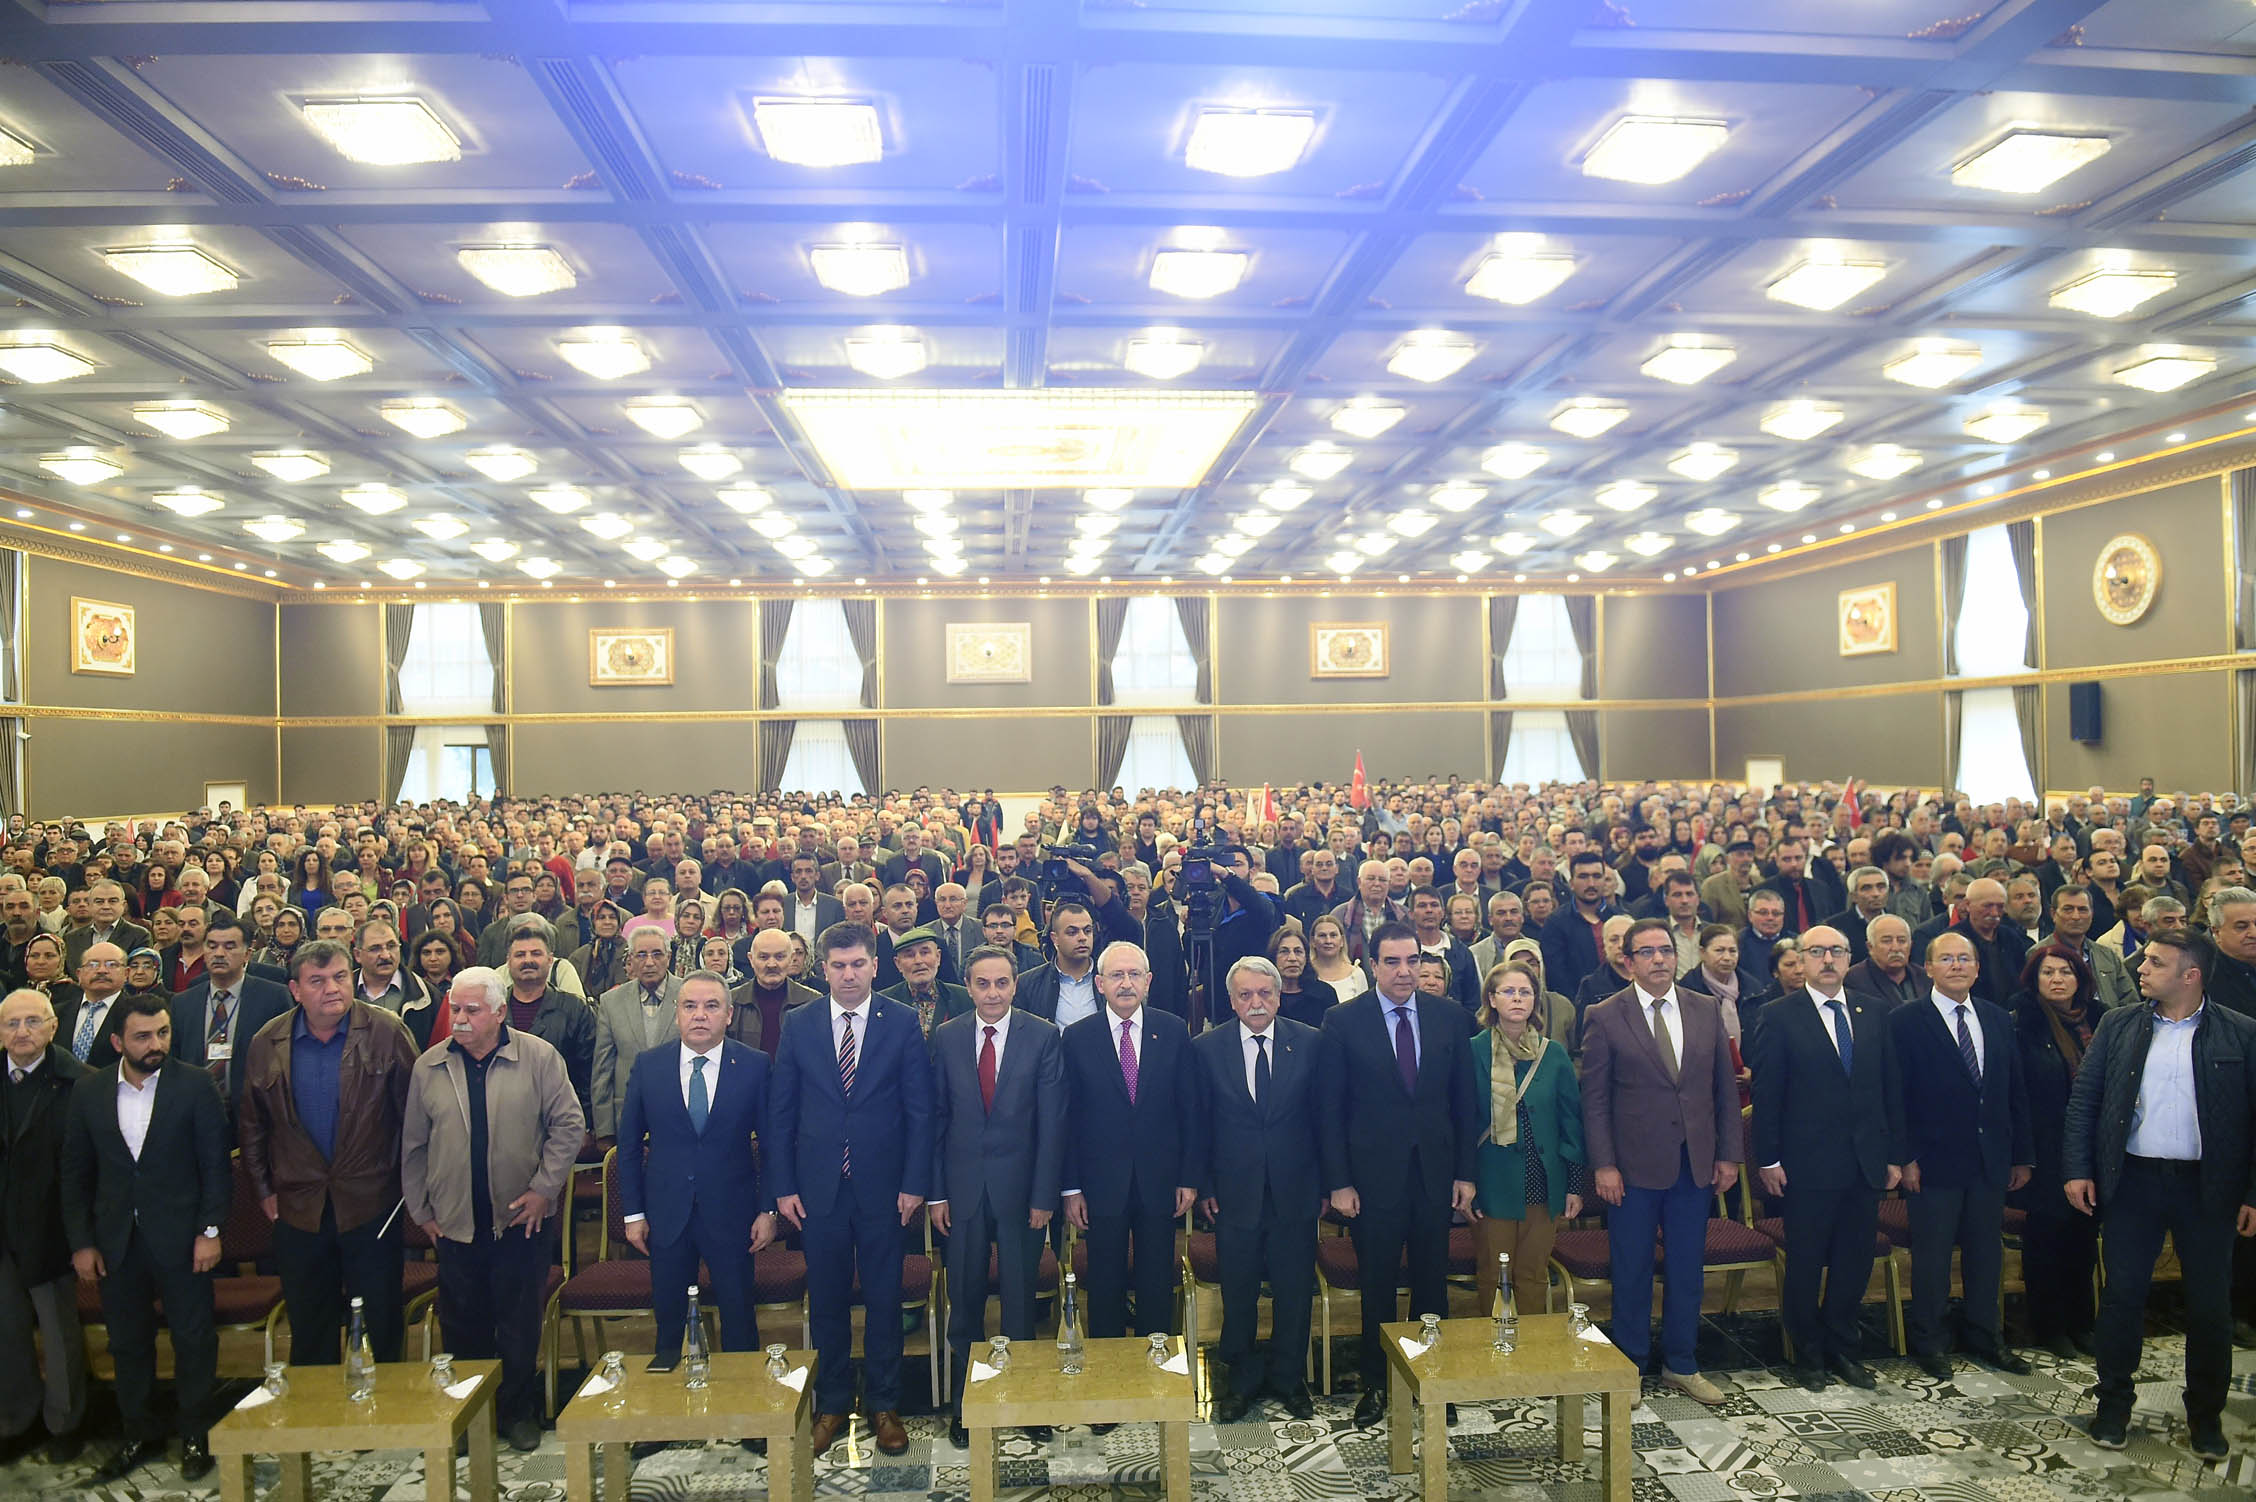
[[2083, 713]]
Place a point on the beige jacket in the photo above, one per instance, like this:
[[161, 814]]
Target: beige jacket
[[533, 1133]]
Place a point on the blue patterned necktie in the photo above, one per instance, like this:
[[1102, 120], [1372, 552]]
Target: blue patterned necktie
[[1966, 1046], [1841, 1036], [700, 1104]]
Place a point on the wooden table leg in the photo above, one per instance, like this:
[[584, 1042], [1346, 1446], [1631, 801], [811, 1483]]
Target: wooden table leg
[[485, 1482], [1175, 1454], [579, 1473], [1570, 1426], [438, 1473], [1618, 1406], [1401, 1415], [783, 1468], [235, 1478], [982, 1465], [618, 1457], [297, 1478], [802, 1457], [1433, 1465]]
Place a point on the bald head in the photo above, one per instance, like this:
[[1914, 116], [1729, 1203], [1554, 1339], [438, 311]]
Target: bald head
[[27, 1026], [1985, 904]]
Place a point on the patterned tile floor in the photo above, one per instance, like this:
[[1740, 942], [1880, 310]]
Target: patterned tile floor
[[1981, 1437]]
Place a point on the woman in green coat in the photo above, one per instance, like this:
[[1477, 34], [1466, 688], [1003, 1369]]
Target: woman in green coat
[[1531, 1155]]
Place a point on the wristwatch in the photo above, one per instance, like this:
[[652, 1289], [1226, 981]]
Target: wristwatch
[[211, 1233]]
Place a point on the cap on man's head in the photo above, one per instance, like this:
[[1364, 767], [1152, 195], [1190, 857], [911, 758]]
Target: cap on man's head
[[923, 934]]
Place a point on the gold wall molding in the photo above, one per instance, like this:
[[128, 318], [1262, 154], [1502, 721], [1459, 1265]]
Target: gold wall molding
[[135, 562], [2156, 668], [139, 716]]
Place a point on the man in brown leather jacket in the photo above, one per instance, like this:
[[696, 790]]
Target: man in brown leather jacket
[[324, 1087]]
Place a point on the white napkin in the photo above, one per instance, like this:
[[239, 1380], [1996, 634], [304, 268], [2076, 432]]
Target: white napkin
[[464, 1388], [1179, 1364], [796, 1378], [595, 1386], [1596, 1336], [1411, 1350], [980, 1372], [255, 1398]]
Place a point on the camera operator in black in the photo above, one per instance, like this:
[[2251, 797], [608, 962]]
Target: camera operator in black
[[1241, 919], [1068, 867]]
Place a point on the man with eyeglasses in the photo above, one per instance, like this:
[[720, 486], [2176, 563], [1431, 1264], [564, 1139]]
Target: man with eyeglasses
[[83, 1026], [1660, 1109], [517, 902], [1959, 1116]]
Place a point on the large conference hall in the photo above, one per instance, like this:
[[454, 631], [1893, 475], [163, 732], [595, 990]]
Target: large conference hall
[[1661, 595]]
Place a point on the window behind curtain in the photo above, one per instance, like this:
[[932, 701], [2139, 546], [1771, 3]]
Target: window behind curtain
[[818, 669], [1154, 668], [819, 760], [1991, 637], [1541, 662], [447, 672]]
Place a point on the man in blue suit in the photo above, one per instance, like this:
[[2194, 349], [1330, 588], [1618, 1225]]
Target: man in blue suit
[[696, 1104], [850, 1160]]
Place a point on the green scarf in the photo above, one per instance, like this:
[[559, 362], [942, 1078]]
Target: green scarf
[[1504, 1082]]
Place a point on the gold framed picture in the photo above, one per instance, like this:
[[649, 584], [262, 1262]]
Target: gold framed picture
[[1868, 619], [637, 658], [990, 652], [102, 637], [1347, 649]]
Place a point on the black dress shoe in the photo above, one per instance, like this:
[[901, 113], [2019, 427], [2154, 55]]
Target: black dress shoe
[[958, 1435], [2085, 1346], [65, 1447], [195, 1460], [1449, 1415], [16, 1446], [1937, 1367], [1232, 1407], [2002, 1360], [757, 1445], [1369, 1409], [2110, 1429], [2207, 1439], [1812, 1377], [1041, 1434], [1296, 1400], [1855, 1373], [128, 1458]]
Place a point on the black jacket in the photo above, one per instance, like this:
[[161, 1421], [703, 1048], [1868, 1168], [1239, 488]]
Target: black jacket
[[1373, 1127], [567, 1024], [1240, 934], [1038, 991], [258, 1002], [31, 1168], [1115, 1148], [181, 1183], [1829, 1127], [2098, 1125], [1270, 1150], [1163, 948], [2050, 1083], [1961, 1136]]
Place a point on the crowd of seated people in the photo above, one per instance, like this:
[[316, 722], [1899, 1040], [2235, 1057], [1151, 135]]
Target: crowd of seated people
[[1489, 989]]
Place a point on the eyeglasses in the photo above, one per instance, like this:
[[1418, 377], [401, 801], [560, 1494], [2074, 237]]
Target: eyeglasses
[[1650, 952], [1821, 950], [1951, 959]]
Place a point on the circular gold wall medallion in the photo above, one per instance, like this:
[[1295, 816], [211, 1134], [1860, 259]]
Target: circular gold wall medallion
[[2125, 578]]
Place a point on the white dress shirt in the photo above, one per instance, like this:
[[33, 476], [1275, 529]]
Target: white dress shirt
[[1135, 1021], [1670, 1013], [1253, 1051], [135, 1105], [838, 1022], [712, 1058], [1948, 1009], [1825, 1018], [979, 1031]]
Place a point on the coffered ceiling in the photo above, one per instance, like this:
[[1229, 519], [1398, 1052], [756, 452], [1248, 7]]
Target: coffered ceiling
[[1513, 289]]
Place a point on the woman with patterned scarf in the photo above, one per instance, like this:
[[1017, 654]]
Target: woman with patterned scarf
[[1531, 1156]]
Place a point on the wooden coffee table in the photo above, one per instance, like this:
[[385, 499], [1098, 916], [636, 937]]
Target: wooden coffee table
[[406, 1413], [1116, 1385], [1548, 1361], [739, 1401]]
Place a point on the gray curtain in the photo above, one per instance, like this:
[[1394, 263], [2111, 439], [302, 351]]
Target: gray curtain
[[11, 680], [1192, 610], [1198, 742], [1582, 619], [2244, 551], [1499, 734], [1112, 619], [2027, 711], [1951, 712], [490, 622], [399, 624], [1502, 612], [775, 624], [2022, 538], [398, 741], [1112, 746], [1954, 596], [775, 741], [861, 744], [1582, 729], [2244, 684], [497, 741], [861, 625]]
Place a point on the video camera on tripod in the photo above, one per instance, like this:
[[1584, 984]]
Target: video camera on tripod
[[1059, 881]]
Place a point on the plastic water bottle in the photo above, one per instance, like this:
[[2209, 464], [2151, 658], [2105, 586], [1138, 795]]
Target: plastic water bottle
[[1069, 1345], [360, 1362], [1507, 1309], [696, 1364]]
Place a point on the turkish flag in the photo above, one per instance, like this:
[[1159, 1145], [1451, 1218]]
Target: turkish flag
[[1359, 790]]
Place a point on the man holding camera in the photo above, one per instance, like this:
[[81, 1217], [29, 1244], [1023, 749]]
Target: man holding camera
[[1215, 895]]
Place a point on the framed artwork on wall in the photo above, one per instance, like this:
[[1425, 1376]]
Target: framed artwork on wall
[[1868, 619], [102, 637], [624, 658], [1347, 649], [990, 652]]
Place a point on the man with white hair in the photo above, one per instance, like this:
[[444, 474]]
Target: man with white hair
[[36, 1280]]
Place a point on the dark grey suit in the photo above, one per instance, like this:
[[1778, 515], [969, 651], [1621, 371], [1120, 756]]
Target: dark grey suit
[[994, 1167]]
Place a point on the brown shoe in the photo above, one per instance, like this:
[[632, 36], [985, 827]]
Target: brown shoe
[[828, 1426], [892, 1438]]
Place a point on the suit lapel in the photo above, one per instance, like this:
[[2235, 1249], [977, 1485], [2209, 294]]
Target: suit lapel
[[1641, 1025]]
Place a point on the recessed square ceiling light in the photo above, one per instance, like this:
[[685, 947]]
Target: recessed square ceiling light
[[1457, 496], [1095, 524], [182, 420], [1885, 461], [1431, 355], [674, 566], [1284, 495], [1469, 561], [1932, 363], [187, 501], [1687, 360], [559, 500], [744, 500], [320, 354], [175, 270], [1320, 461], [773, 524], [1560, 523], [608, 525], [814, 565], [375, 498], [519, 270], [1198, 273], [1412, 523], [1518, 271], [1218, 561], [1824, 282], [495, 550], [927, 499], [1044, 438], [1374, 544], [343, 550], [645, 549], [275, 528], [501, 463], [1711, 522], [1163, 355], [819, 132], [1514, 461], [291, 466], [1235, 545], [1703, 461], [2027, 160], [1788, 495], [540, 568], [937, 526], [1800, 421], [1589, 417], [401, 568], [1343, 563], [886, 353], [2167, 371], [1249, 142], [1108, 497], [36, 359], [710, 462], [1653, 148], [15, 151], [1597, 561], [423, 416], [860, 270], [1625, 495], [1513, 544], [1255, 523], [1082, 565], [606, 354], [441, 527], [664, 416], [392, 130], [1647, 544], [2006, 423], [81, 466], [2113, 293], [1366, 417]]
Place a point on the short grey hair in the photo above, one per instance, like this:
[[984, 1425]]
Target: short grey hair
[[483, 978], [1258, 966], [1861, 872], [2227, 896], [531, 926], [718, 979], [2163, 907]]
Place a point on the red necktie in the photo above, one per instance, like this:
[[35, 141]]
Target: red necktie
[[987, 1071]]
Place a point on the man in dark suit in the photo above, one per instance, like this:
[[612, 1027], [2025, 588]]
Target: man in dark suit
[[998, 1153], [2158, 1141], [914, 857], [1821, 1142], [1132, 1149], [1959, 1118], [695, 1104], [2000, 948], [809, 910], [1887, 974], [105, 902], [1868, 899], [1806, 901], [146, 1183], [1262, 1183], [1571, 939], [849, 1155], [216, 1018], [1660, 1113], [36, 1292], [83, 1025], [1400, 1127]]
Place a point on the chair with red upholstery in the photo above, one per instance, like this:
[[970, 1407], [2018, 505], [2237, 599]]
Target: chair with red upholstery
[[243, 1296], [922, 1288], [1734, 1247]]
